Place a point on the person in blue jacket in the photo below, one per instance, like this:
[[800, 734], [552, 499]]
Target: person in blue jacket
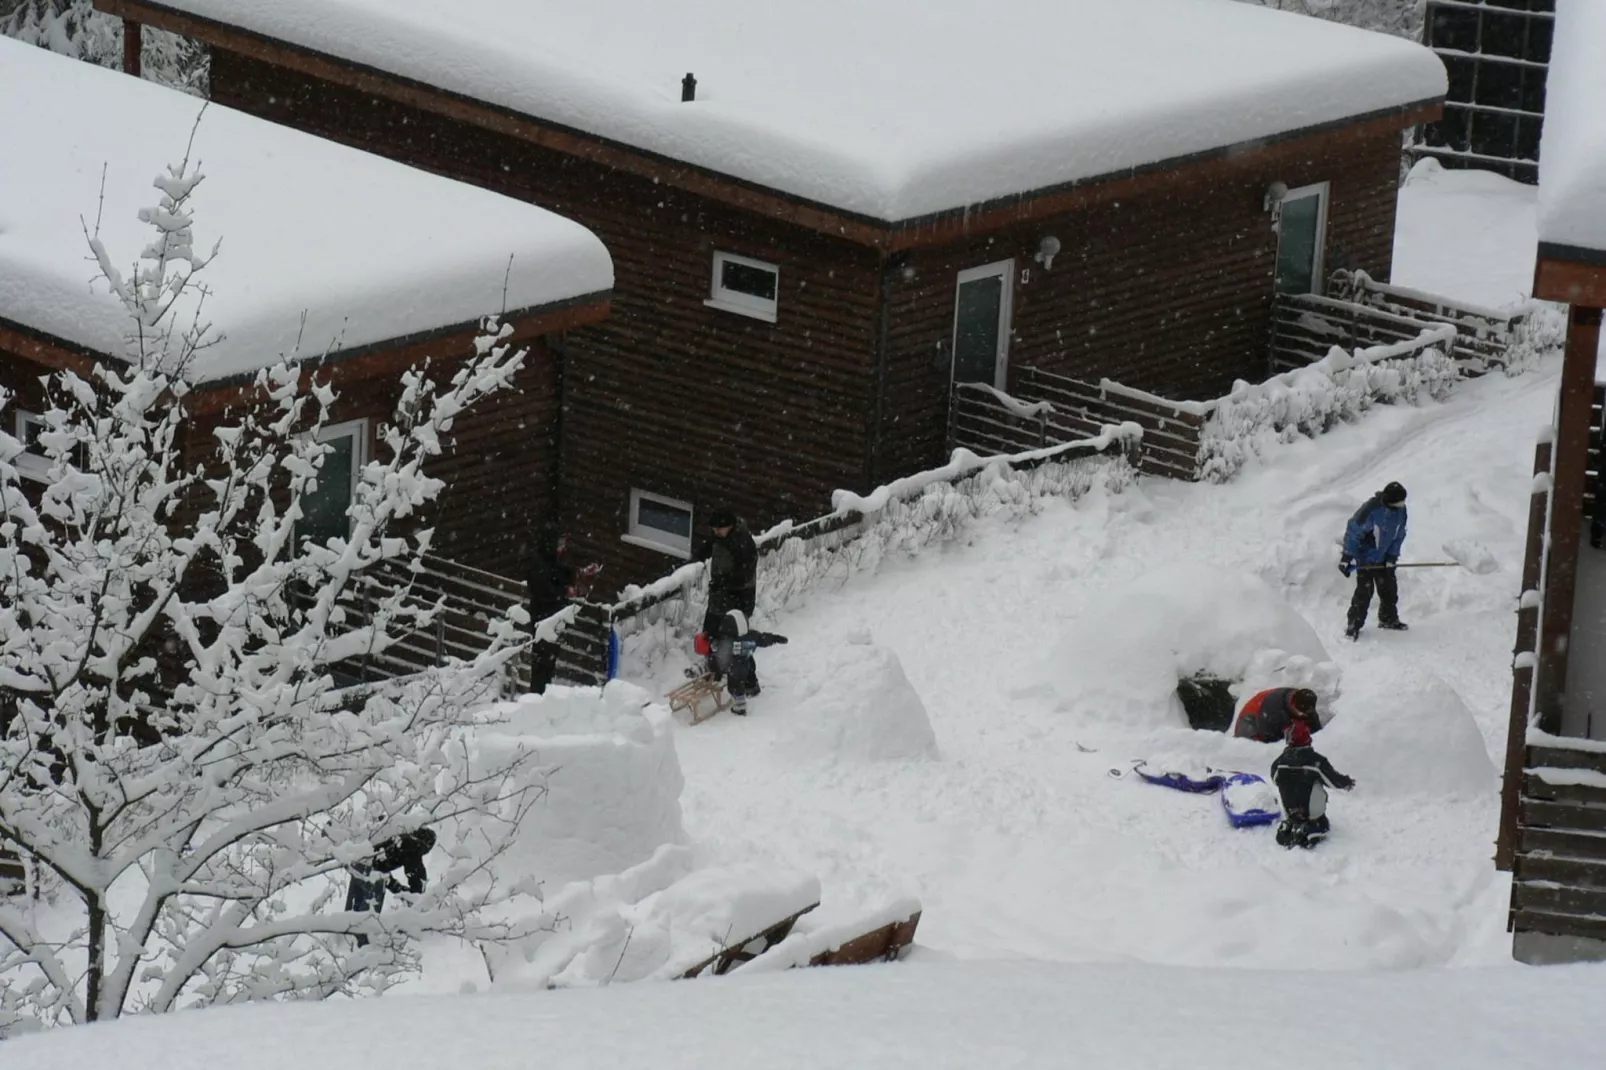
[[1372, 544]]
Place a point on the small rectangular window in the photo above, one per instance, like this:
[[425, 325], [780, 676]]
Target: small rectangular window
[[660, 523], [323, 509], [32, 464], [746, 287]]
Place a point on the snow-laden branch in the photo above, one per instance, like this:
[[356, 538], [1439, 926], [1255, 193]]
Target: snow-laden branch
[[171, 715]]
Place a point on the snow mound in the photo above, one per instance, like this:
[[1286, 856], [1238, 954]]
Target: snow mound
[[1121, 658], [1417, 737], [612, 775], [857, 705], [654, 922], [1273, 667]]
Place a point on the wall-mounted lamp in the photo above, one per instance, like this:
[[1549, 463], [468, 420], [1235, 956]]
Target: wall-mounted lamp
[[1047, 250], [1274, 202]]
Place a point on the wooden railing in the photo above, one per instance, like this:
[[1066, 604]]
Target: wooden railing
[[470, 599], [1358, 313], [1558, 885]]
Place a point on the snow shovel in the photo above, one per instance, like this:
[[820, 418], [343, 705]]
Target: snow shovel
[[1463, 553]]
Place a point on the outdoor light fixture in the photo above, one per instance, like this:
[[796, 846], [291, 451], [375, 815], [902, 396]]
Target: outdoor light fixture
[[1047, 250], [1274, 202]]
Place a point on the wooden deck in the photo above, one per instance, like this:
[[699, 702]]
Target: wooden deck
[[1558, 890]]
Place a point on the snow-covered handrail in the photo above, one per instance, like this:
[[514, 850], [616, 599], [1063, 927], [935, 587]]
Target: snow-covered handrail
[[849, 508], [1029, 410]]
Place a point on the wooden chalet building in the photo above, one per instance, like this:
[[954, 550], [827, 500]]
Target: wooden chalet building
[[356, 266], [824, 216], [1553, 828]]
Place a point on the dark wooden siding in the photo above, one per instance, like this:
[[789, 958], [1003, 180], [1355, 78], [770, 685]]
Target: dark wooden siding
[[1169, 293], [499, 462], [667, 394]]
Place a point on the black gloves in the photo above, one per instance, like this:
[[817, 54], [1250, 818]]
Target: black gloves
[[1346, 565]]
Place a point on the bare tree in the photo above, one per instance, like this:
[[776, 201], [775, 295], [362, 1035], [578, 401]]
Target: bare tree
[[177, 763]]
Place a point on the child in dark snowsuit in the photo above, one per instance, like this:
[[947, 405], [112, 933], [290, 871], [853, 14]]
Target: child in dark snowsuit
[[406, 853], [1302, 777], [731, 657]]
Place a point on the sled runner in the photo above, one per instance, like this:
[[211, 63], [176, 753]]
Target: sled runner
[[1249, 801], [699, 699]]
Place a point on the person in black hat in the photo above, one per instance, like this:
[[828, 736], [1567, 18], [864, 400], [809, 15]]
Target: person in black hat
[[1372, 543], [732, 558], [554, 582], [406, 853]]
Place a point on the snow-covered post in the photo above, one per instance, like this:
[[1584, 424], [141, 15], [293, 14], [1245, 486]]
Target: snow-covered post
[[176, 761]]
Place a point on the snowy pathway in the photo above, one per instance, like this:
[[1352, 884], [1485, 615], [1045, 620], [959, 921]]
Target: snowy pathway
[[1015, 837]]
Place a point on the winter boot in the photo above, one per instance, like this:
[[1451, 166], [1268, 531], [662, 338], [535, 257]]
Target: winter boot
[[1352, 631], [1393, 625], [739, 705]]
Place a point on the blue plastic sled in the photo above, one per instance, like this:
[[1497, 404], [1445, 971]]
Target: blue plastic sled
[[1243, 796], [613, 654], [1209, 784]]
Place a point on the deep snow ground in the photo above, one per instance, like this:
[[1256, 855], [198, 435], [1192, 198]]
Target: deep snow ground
[[1016, 838]]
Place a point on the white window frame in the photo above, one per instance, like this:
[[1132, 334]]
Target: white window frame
[[1006, 318], [357, 431], [736, 301], [1324, 192], [30, 465], [651, 538]]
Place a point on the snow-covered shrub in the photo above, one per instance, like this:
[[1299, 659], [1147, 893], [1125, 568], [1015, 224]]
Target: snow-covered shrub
[[618, 799], [1311, 400], [74, 28], [901, 518], [1122, 656], [177, 764], [857, 705]]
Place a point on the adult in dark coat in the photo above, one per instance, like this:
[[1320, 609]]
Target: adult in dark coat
[[406, 853], [732, 558], [1267, 716], [1372, 542], [551, 580], [1302, 777]]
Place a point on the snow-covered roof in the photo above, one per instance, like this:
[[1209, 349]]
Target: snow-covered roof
[[882, 108], [371, 251], [1572, 154]]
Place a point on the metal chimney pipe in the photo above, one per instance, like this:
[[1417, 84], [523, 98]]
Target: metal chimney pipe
[[688, 88]]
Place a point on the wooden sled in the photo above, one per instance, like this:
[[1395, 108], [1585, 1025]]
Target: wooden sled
[[699, 699], [878, 945], [746, 949]]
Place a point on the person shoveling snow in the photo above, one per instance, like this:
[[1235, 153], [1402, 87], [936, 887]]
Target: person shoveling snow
[[1372, 542], [1302, 777]]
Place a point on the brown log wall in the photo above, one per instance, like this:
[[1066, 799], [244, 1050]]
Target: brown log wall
[[667, 394], [499, 462], [1170, 292]]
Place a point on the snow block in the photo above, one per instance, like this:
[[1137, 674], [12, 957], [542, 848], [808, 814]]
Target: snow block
[[1408, 732], [613, 781], [857, 705], [673, 931], [1121, 658]]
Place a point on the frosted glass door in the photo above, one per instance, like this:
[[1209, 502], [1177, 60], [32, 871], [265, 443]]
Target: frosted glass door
[[981, 325], [1301, 235]]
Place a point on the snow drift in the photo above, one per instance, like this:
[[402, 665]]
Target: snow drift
[[613, 781], [857, 705], [1121, 658]]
